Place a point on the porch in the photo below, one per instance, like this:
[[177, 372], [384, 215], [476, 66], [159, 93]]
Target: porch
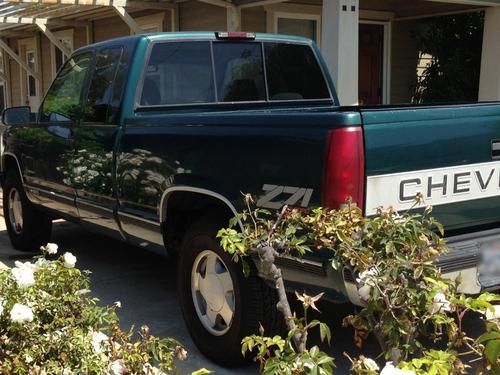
[[367, 44]]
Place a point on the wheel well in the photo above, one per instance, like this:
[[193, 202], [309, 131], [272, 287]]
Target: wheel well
[[10, 163], [183, 209]]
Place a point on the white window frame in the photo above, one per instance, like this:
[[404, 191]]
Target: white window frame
[[293, 11], [154, 21], [386, 58], [298, 16], [63, 35]]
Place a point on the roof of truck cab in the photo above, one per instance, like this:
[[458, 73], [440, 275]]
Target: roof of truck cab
[[192, 35], [210, 35]]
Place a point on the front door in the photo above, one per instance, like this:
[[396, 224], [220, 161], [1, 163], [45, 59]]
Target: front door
[[59, 117], [29, 84], [371, 39]]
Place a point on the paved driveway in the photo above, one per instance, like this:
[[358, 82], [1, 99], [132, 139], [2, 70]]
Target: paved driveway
[[144, 282]]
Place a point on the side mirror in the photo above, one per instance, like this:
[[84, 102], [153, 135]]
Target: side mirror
[[16, 116]]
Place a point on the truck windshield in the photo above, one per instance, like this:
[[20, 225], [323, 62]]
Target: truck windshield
[[215, 72]]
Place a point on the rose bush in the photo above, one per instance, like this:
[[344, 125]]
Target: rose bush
[[50, 324], [408, 306]]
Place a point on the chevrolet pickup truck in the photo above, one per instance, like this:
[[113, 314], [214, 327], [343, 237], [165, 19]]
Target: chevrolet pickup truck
[[153, 138]]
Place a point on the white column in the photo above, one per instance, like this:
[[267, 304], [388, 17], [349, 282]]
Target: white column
[[339, 45], [489, 83], [233, 18]]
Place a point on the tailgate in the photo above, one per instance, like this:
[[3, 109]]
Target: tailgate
[[450, 154]]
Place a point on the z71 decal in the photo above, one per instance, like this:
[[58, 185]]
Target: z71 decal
[[277, 196]]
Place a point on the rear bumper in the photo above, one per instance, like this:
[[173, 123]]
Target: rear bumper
[[462, 261]]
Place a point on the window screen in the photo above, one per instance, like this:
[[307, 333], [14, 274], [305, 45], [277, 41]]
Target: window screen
[[293, 73], [102, 83], [239, 72], [179, 73]]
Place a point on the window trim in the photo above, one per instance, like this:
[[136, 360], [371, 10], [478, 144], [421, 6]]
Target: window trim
[[140, 84], [68, 34]]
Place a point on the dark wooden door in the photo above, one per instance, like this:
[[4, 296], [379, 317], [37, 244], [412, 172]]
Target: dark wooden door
[[371, 39]]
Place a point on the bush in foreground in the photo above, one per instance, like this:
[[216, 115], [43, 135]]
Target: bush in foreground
[[50, 324]]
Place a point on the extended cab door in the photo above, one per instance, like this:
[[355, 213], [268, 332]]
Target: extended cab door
[[95, 138], [58, 117]]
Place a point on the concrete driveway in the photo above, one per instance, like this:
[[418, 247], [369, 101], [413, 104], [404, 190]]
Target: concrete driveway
[[145, 283]]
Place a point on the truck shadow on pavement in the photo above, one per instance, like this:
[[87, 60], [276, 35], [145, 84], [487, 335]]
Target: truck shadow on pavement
[[144, 281]]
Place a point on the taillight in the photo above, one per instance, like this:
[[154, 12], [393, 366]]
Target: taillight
[[234, 35], [344, 168]]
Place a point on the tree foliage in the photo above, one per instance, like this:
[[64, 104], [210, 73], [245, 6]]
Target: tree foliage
[[455, 44]]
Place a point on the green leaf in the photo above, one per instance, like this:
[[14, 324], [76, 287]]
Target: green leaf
[[492, 351], [202, 371], [488, 336], [324, 332]]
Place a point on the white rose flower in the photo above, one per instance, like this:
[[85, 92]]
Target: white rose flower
[[389, 369], [2, 301], [370, 364], [439, 304], [21, 314], [51, 248], [181, 353], [24, 275], [118, 304], [69, 260], [117, 367], [98, 338]]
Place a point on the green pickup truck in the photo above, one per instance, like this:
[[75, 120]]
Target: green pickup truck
[[152, 139]]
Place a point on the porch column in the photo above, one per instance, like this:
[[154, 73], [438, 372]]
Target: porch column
[[339, 45], [489, 83]]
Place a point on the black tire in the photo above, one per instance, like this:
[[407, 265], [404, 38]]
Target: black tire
[[254, 300], [36, 226]]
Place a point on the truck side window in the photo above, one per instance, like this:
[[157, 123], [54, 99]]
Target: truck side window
[[63, 102], [102, 85], [239, 72], [293, 73], [178, 73]]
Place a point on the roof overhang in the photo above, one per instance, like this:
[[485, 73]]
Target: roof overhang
[[479, 3]]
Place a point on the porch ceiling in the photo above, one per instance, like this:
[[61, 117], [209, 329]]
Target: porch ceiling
[[22, 15]]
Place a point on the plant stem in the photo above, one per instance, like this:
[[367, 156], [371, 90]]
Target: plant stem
[[269, 271]]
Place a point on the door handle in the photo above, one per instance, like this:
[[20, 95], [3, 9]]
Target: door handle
[[495, 149]]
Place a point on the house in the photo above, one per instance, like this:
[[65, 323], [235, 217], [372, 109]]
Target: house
[[367, 44]]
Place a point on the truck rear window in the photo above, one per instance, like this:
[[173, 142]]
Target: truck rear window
[[216, 72]]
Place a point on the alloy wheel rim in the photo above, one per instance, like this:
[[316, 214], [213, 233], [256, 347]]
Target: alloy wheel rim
[[15, 211], [212, 291]]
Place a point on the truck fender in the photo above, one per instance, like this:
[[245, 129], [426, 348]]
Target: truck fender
[[3, 166]]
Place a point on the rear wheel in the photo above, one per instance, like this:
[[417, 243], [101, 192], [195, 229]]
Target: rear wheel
[[220, 305], [28, 228]]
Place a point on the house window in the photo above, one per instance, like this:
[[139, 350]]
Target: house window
[[300, 27], [151, 24], [58, 57]]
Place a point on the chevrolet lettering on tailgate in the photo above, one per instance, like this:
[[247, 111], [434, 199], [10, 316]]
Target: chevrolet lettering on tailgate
[[438, 186]]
